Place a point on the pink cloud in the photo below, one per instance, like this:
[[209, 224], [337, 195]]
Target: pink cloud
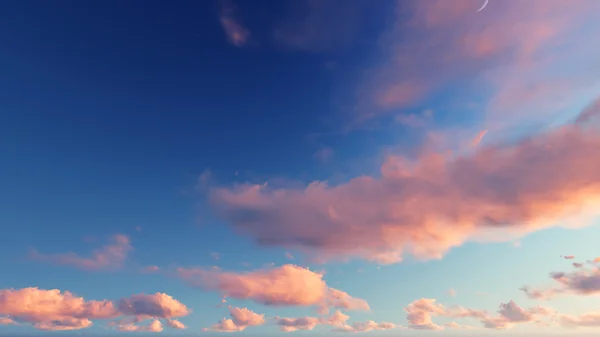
[[569, 257], [584, 281], [421, 312], [241, 318], [236, 34], [452, 292], [427, 206], [531, 61], [454, 325], [53, 309], [294, 324], [109, 257], [588, 320], [288, 285], [158, 305], [366, 326], [175, 324], [6, 321], [56, 310], [154, 326]]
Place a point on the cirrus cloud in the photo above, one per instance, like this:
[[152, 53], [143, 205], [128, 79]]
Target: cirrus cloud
[[109, 257]]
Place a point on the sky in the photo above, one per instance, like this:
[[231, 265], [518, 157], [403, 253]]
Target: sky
[[313, 167]]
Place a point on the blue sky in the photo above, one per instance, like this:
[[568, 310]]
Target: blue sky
[[403, 152]]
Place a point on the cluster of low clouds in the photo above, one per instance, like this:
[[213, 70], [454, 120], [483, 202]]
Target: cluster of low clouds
[[421, 207], [61, 310]]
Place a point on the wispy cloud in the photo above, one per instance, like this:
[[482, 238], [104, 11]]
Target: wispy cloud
[[527, 64], [109, 257], [236, 34]]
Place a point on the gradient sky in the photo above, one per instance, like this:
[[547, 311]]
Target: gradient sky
[[415, 168]]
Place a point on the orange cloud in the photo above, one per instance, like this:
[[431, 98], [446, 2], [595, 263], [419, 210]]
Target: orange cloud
[[288, 285], [425, 207], [109, 257], [56, 310], [241, 318]]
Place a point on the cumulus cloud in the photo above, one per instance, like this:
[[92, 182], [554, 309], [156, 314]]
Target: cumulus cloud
[[236, 34], [56, 310], [175, 324], [154, 326], [294, 324], [288, 285], [584, 282], [427, 206], [421, 312], [109, 257], [366, 326], [241, 318]]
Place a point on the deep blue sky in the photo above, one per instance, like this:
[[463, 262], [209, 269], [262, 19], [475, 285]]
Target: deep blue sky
[[139, 117]]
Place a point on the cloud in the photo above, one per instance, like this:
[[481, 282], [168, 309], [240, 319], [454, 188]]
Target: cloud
[[584, 282], [529, 63], [288, 285], [421, 312], [56, 310], [157, 305], [109, 257], [452, 292], [589, 320], [366, 326], [454, 325], [294, 324], [427, 206], [6, 321], [569, 257], [53, 309], [154, 326], [241, 318], [236, 34], [175, 324]]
